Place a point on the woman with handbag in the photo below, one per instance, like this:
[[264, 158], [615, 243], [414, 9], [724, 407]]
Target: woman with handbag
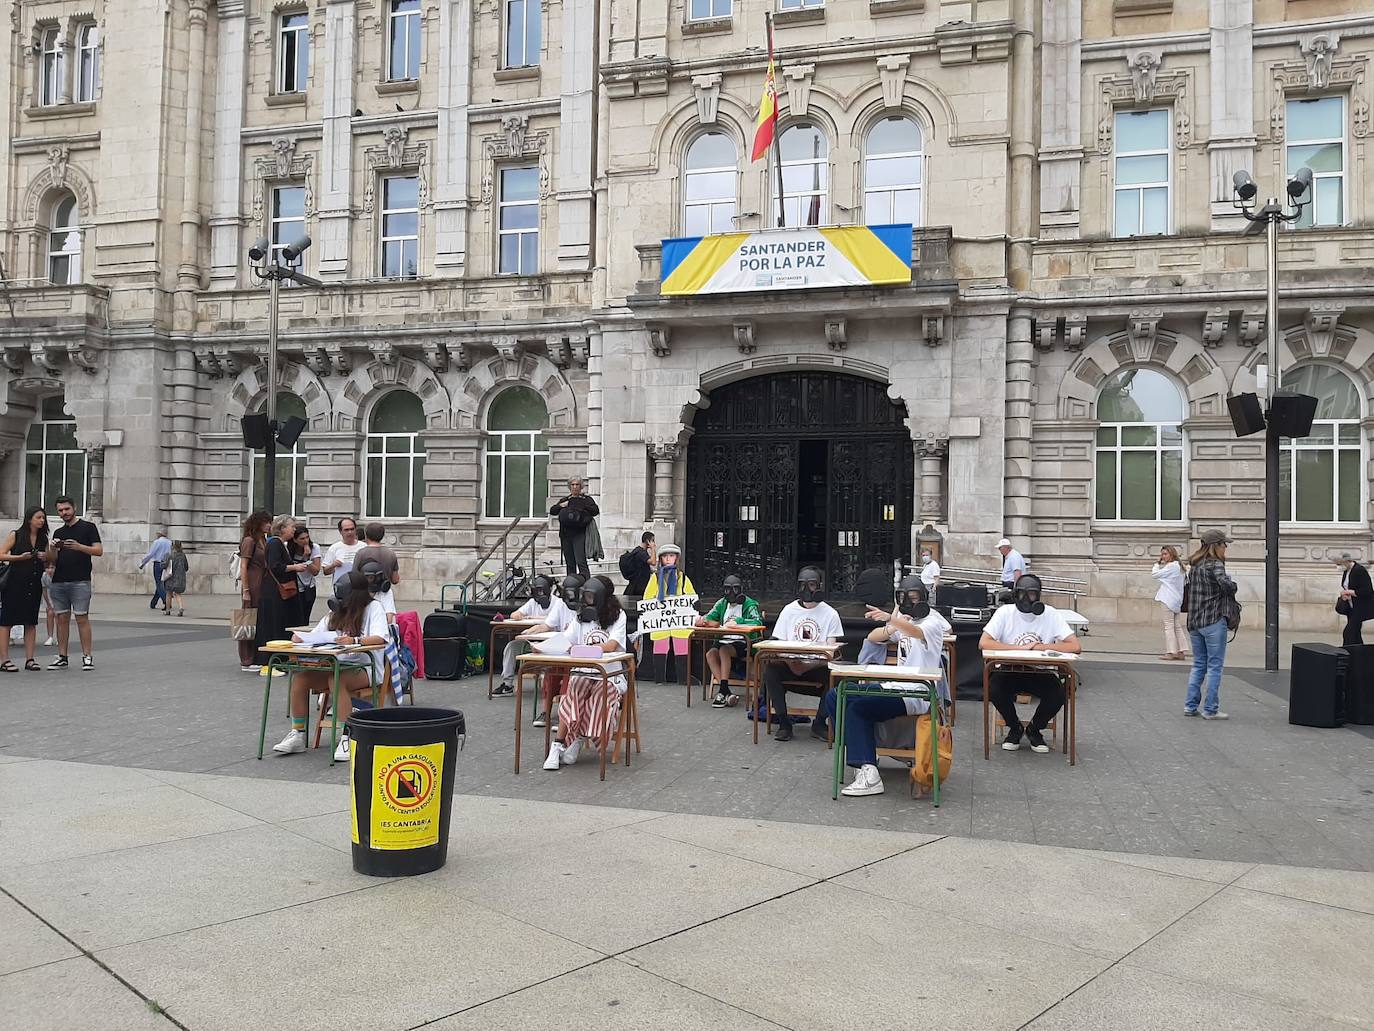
[[1356, 600], [1212, 608], [23, 554], [252, 568], [1168, 571], [277, 606]]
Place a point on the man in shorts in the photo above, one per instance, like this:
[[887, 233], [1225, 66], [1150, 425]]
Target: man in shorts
[[74, 544]]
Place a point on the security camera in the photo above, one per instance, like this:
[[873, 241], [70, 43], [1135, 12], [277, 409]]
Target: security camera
[[259, 250], [1245, 186], [293, 251], [1301, 183]]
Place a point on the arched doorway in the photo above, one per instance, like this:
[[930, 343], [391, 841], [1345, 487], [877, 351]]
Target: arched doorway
[[795, 468]]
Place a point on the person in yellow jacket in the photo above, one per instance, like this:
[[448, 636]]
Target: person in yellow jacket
[[669, 581]]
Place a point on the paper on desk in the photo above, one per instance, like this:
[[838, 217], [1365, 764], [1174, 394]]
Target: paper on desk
[[555, 645], [315, 638]]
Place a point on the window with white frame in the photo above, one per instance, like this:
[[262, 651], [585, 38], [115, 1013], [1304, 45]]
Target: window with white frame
[[517, 455], [400, 226], [1320, 475], [52, 67], [708, 185], [518, 221], [704, 10], [288, 224], [395, 472], [1140, 468], [1315, 138], [289, 492], [523, 28], [1141, 170], [403, 35], [64, 242], [87, 62], [797, 5], [54, 464], [805, 175], [893, 172], [293, 51]]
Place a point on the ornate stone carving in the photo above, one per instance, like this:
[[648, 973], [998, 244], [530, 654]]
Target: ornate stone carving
[[1332, 70], [84, 355], [798, 77], [395, 152], [460, 354], [394, 140], [665, 450], [436, 354], [1251, 326], [1318, 52], [1214, 325], [1116, 91], [1143, 66], [284, 164], [744, 336], [508, 347], [932, 330], [283, 153], [45, 357], [707, 91], [340, 360], [931, 447], [13, 358], [515, 127], [316, 359], [660, 339], [57, 163], [1142, 327], [835, 333], [560, 350], [1045, 331], [384, 351], [892, 74], [514, 142], [1322, 322], [1075, 332]]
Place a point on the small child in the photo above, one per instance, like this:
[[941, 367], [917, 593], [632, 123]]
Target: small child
[[174, 577]]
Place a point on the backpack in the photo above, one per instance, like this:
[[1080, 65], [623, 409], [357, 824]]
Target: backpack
[[627, 565]]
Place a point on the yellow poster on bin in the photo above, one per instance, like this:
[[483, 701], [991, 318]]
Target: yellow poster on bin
[[407, 793]]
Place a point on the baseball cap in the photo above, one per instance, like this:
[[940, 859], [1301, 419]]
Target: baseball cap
[[1004, 543], [1215, 537]]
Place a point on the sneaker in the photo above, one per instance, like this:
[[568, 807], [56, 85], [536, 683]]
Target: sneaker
[[262, 672], [820, 730], [1012, 742], [720, 701], [292, 744], [731, 700], [250, 668], [572, 751], [541, 719], [555, 758], [784, 732], [87, 663], [59, 663], [1037, 741], [867, 781], [341, 752], [503, 688], [49, 642], [1215, 716], [1191, 712]]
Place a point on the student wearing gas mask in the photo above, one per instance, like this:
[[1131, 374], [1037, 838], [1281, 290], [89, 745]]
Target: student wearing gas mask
[[558, 619], [1027, 624], [807, 619], [583, 709], [919, 632], [735, 609], [552, 615]]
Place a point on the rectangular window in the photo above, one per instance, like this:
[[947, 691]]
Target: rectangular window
[[1316, 139], [799, 5], [523, 28], [1141, 168], [51, 69], [400, 226], [1140, 472], [403, 56], [518, 230], [704, 10], [293, 52], [288, 223], [88, 63]]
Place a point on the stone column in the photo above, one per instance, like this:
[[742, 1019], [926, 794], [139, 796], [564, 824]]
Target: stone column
[[664, 454], [1231, 145], [95, 483], [1017, 464], [226, 216], [68, 72], [577, 134], [930, 453], [181, 475], [1021, 147], [188, 272], [596, 423], [1061, 139], [336, 144], [452, 141]]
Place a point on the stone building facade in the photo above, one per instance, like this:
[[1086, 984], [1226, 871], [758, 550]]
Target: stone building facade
[[488, 183]]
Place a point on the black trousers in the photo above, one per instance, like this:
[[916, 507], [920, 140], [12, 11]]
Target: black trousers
[[305, 603], [773, 676], [575, 552], [1004, 687], [1351, 635]]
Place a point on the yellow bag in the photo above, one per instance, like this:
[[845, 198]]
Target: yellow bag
[[920, 770]]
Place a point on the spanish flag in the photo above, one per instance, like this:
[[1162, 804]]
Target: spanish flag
[[766, 125]]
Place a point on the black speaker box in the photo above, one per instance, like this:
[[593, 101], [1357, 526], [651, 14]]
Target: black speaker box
[[963, 596], [1316, 685], [1359, 685], [1291, 414], [445, 657], [256, 432], [444, 623], [1247, 415], [290, 431]]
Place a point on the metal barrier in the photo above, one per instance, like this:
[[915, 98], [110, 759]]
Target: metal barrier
[[1051, 584]]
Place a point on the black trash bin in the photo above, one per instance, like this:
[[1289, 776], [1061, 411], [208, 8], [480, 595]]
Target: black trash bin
[[401, 771]]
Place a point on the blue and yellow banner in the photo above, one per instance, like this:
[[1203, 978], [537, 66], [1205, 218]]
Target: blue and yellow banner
[[787, 259]]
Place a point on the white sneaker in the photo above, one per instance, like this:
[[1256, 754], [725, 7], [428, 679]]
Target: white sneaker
[[866, 782], [555, 757], [571, 752], [262, 672], [49, 643], [341, 752], [292, 744], [1215, 716], [249, 669]]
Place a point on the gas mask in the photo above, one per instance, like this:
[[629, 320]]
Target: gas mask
[[809, 586], [377, 580], [1027, 596], [734, 590], [572, 585], [542, 591], [345, 586], [912, 598], [593, 596]]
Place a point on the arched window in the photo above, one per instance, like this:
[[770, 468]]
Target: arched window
[[1319, 475], [395, 482], [52, 69], [289, 495], [708, 186], [893, 172], [1140, 448], [64, 242], [517, 454], [805, 175], [53, 462]]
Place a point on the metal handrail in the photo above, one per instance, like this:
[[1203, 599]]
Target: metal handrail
[[1054, 584], [498, 543]]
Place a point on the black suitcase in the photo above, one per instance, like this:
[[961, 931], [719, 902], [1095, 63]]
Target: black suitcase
[[445, 657], [963, 596], [1359, 685], [1316, 685]]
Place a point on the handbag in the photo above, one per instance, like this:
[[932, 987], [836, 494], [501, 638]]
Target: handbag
[[243, 624], [287, 590], [921, 773], [1343, 606]]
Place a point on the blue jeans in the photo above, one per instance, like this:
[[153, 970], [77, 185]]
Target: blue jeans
[[1209, 652], [159, 589]]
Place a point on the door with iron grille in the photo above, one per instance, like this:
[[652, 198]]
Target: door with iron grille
[[797, 468]]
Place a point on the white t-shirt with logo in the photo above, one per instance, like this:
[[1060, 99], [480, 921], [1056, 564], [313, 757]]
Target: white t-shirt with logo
[[922, 654], [818, 625], [1019, 629], [595, 634], [343, 553], [553, 615]]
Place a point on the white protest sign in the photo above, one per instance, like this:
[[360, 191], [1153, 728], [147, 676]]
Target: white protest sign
[[678, 612]]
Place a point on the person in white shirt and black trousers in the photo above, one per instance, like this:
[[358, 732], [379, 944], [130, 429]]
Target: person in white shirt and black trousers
[[1356, 600]]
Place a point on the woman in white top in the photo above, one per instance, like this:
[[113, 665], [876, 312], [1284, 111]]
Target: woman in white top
[[1168, 571], [584, 711], [355, 619]]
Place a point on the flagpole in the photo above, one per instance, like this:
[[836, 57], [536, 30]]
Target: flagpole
[[776, 148]]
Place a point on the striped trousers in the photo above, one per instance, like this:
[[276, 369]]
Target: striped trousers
[[583, 711]]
